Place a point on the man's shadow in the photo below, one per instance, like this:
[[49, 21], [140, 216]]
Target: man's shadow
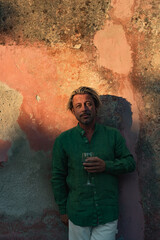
[[116, 112]]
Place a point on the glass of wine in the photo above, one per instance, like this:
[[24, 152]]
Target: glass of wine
[[85, 155]]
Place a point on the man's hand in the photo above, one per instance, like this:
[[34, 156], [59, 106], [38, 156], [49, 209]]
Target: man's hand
[[64, 219], [94, 164]]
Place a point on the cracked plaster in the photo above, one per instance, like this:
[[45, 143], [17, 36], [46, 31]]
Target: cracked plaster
[[69, 39], [10, 103]]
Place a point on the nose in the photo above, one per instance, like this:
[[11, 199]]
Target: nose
[[84, 107]]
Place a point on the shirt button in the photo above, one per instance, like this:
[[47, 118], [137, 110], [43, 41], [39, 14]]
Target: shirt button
[[94, 192], [86, 141], [96, 204]]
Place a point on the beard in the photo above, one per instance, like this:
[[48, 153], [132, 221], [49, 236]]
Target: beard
[[86, 118]]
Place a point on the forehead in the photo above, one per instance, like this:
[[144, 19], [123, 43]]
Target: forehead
[[80, 98]]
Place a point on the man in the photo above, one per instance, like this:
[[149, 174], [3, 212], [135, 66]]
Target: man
[[91, 209]]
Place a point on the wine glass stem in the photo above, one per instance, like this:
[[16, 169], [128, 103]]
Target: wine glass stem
[[88, 179]]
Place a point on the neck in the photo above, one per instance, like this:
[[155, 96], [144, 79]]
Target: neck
[[88, 128]]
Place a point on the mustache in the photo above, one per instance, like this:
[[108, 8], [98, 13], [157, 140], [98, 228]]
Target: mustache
[[85, 113]]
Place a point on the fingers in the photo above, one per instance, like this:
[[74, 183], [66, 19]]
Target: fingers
[[94, 169], [64, 219], [91, 164], [92, 161], [94, 164]]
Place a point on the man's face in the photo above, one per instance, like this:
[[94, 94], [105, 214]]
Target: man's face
[[84, 108]]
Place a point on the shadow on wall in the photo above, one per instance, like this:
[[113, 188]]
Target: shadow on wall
[[115, 112], [150, 187]]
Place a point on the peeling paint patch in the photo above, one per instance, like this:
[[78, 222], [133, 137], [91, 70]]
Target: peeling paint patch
[[122, 8], [10, 102], [113, 49]]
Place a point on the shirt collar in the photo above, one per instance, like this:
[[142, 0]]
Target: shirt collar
[[81, 130]]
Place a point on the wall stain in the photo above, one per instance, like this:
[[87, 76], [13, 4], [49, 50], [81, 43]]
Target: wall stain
[[52, 21]]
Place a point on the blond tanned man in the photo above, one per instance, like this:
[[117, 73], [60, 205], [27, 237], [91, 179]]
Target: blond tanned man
[[87, 191]]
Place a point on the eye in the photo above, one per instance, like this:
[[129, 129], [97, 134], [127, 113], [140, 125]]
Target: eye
[[78, 106], [89, 104]]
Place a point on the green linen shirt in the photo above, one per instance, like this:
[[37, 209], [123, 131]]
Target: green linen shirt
[[89, 205]]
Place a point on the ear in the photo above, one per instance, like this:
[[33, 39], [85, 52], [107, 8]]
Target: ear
[[72, 111]]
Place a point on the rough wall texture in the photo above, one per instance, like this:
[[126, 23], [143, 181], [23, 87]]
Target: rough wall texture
[[47, 49]]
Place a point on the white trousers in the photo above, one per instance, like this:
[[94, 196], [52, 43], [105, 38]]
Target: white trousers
[[107, 231]]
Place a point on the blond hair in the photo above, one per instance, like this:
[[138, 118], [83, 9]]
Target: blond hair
[[84, 90]]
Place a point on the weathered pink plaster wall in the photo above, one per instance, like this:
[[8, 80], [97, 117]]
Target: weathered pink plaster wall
[[48, 50]]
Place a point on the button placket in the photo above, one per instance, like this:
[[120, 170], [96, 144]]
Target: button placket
[[96, 203]]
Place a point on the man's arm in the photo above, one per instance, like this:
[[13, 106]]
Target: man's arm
[[124, 161], [59, 174]]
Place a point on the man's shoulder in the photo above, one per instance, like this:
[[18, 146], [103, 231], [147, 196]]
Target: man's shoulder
[[66, 133], [64, 137], [110, 132], [107, 128]]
